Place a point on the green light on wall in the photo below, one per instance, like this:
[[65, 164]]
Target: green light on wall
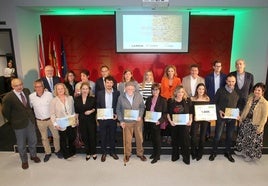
[[78, 11]]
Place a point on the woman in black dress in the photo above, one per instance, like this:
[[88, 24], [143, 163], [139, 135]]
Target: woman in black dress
[[85, 105]]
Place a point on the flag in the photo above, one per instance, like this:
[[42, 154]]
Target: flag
[[63, 60], [41, 58], [49, 54], [54, 61]]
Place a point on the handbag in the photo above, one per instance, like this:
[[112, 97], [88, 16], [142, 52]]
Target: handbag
[[78, 142]]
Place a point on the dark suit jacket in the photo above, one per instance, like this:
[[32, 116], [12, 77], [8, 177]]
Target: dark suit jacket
[[99, 85], [210, 85], [101, 99], [160, 106], [55, 80], [245, 90], [71, 89], [15, 112]]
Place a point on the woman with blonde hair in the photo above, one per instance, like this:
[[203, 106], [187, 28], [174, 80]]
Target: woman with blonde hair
[[180, 104], [62, 105], [146, 84]]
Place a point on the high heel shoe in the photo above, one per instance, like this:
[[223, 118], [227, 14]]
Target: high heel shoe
[[87, 157], [94, 157]]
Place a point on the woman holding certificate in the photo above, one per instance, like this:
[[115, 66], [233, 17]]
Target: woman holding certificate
[[157, 105], [85, 105], [63, 118], [253, 118], [180, 118], [200, 98]]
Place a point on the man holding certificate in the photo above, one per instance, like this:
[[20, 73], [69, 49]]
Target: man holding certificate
[[106, 102], [180, 118], [156, 108], [225, 98], [130, 109]]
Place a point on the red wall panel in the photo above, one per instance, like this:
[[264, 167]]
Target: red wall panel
[[89, 42]]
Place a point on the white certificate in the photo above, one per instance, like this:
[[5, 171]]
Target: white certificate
[[231, 113], [131, 114], [66, 121], [205, 112], [105, 113], [180, 119], [152, 116]]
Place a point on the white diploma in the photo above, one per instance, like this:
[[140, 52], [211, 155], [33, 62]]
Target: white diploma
[[131, 114], [66, 121], [105, 113], [205, 112], [152, 116], [180, 119], [231, 113]]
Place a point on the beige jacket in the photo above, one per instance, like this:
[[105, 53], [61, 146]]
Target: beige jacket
[[260, 113]]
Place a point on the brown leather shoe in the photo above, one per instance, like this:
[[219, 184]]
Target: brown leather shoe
[[25, 165], [103, 158], [143, 158], [127, 158], [36, 159], [114, 156]]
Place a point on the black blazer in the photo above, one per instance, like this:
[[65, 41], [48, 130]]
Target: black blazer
[[160, 106], [245, 90], [55, 80], [101, 99], [71, 89], [15, 112]]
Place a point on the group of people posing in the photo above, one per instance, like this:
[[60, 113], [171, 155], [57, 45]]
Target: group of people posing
[[53, 99]]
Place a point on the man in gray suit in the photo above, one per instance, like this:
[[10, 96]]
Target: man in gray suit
[[17, 110], [190, 82]]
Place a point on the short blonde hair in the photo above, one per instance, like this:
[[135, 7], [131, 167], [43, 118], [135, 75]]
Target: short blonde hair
[[177, 89], [66, 92]]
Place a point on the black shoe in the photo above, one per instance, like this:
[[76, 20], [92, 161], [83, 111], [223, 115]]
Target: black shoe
[[199, 157], [103, 158], [59, 155], [186, 161], [229, 157], [46, 158], [114, 156], [212, 157], [151, 157], [193, 155], [94, 157], [155, 160], [87, 157], [175, 157]]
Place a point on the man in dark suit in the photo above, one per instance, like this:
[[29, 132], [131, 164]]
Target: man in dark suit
[[244, 83], [100, 85], [50, 80], [107, 98], [17, 110], [214, 81]]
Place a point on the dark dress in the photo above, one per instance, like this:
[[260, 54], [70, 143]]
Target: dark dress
[[248, 141], [87, 123], [197, 149]]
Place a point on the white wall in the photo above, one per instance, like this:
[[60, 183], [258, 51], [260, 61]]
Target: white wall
[[250, 41]]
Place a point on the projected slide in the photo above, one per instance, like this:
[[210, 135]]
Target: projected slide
[[152, 31]]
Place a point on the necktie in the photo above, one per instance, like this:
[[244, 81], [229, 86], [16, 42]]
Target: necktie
[[51, 84], [23, 99]]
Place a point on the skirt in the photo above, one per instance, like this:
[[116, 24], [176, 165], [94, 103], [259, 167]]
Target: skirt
[[248, 141]]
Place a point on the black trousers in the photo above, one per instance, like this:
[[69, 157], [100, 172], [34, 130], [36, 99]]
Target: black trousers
[[107, 134], [88, 131], [180, 139], [156, 138], [194, 138], [67, 139]]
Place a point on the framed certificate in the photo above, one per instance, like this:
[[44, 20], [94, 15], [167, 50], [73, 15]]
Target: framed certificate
[[66, 121], [180, 119], [105, 113], [152, 116], [205, 112], [131, 114], [231, 113]]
